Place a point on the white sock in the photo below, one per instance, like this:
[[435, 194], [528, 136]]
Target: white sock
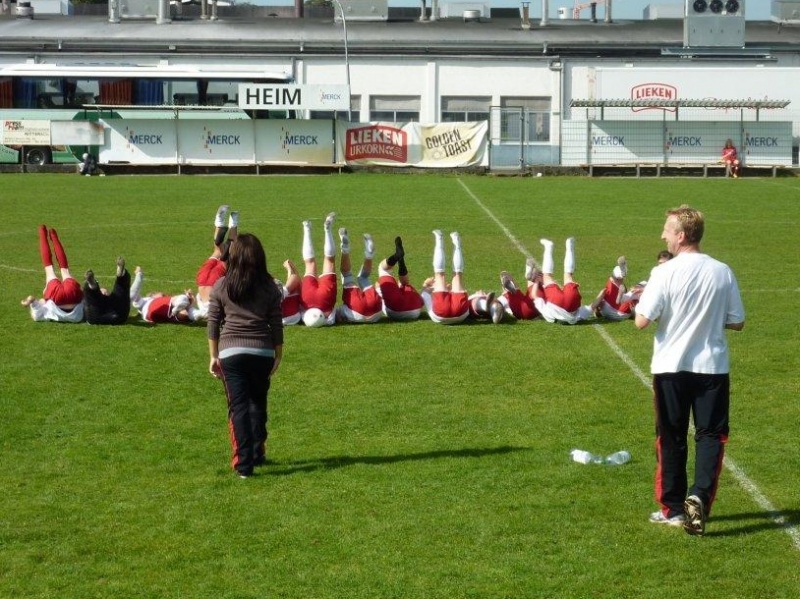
[[308, 246], [569, 257], [369, 246], [329, 248], [458, 255], [136, 288], [548, 265], [438, 252]]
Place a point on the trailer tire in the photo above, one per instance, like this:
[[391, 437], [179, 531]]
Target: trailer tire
[[38, 155]]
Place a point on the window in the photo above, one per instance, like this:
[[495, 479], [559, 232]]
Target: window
[[533, 112], [462, 109], [394, 109], [355, 112]]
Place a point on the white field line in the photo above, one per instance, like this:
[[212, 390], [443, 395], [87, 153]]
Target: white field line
[[741, 477], [100, 277]]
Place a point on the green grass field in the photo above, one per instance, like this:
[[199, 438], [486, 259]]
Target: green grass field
[[409, 460]]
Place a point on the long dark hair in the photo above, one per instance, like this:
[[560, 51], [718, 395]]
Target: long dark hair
[[247, 269]]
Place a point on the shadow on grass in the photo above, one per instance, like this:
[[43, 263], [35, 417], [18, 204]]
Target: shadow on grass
[[331, 463], [750, 522]]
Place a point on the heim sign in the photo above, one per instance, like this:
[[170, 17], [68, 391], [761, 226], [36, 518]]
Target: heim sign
[[266, 96]]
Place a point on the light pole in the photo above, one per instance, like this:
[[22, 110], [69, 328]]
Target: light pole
[[346, 58]]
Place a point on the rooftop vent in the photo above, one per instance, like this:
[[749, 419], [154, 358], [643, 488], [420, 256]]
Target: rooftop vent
[[454, 10], [786, 12], [24, 10]]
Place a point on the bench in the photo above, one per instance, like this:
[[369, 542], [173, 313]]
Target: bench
[[659, 168]]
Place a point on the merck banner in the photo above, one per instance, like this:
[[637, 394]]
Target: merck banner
[[445, 145]]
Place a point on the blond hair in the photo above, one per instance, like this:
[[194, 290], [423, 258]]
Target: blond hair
[[690, 222]]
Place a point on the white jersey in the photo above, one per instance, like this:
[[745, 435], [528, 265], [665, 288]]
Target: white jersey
[[693, 297], [48, 310], [202, 308], [552, 313], [610, 313]]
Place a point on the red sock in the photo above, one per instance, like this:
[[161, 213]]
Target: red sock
[[61, 256], [44, 247]]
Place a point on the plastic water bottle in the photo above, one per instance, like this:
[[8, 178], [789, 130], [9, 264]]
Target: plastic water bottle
[[617, 458], [585, 457]]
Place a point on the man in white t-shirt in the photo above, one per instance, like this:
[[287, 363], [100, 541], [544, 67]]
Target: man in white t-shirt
[[693, 298]]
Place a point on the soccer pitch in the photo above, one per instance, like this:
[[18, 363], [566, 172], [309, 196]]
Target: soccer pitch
[[408, 460]]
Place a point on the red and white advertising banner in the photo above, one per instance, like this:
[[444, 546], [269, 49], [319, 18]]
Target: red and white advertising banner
[[444, 145]]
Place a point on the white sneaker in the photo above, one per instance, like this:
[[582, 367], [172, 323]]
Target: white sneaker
[[329, 220], [659, 518], [621, 270], [455, 238], [345, 240], [369, 246], [233, 220], [507, 282], [496, 311], [530, 269], [222, 213]]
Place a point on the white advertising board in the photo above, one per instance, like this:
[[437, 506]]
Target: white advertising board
[[679, 142], [235, 142], [78, 133], [215, 142], [267, 96], [25, 133], [295, 142], [140, 142]]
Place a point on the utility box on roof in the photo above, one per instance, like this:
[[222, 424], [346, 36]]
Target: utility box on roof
[[714, 24], [363, 10]]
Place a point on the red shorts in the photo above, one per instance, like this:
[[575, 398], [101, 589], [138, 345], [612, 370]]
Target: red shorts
[[611, 295], [319, 292], [290, 306], [568, 298], [521, 305], [367, 303], [450, 304], [399, 298], [63, 293], [212, 270]]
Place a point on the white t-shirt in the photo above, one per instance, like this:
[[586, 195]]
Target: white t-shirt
[[692, 297], [48, 310]]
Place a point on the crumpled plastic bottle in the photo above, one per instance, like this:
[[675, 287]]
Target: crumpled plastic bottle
[[586, 457], [617, 458]]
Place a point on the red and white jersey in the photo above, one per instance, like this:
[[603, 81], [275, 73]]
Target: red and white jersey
[[446, 307], [157, 310], [319, 292], [400, 302], [361, 305]]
